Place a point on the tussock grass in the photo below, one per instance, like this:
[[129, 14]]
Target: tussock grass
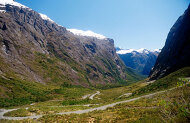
[[164, 83], [145, 110]]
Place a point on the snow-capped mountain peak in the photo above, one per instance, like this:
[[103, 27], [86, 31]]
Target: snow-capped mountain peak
[[157, 50], [87, 33], [125, 51], [45, 17], [141, 50], [11, 2], [3, 3]]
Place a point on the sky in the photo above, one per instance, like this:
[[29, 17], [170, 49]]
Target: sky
[[133, 24]]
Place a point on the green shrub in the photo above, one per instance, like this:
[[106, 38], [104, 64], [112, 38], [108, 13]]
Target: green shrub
[[19, 92], [5, 102]]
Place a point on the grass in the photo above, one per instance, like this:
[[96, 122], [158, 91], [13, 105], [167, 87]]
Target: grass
[[20, 92], [76, 102], [55, 71], [164, 83], [18, 113], [73, 92], [145, 110], [43, 110], [70, 99], [133, 76], [112, 95], [171, 106]]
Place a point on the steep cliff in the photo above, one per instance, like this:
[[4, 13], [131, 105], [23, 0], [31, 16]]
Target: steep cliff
[[35, 48], [176, 52]]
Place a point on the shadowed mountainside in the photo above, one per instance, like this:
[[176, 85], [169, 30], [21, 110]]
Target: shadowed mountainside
[[176, 52]]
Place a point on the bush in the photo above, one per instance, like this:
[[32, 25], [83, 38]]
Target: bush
[[19, 92], [176, 109], [4, 102]]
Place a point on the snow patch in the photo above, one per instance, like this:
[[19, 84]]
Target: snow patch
[[86, 33], [12, 2], [125, 51], [141, 50], [2, 11], [157, 50], [3, 3], [45, 17]]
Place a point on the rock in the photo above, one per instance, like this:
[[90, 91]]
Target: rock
[[176, 52], [36, 49]]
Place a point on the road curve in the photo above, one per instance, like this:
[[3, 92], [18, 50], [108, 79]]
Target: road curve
[[3, 111], [91, 96]]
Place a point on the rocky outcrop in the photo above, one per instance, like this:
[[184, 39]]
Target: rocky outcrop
[[35, 49], [176, 52]]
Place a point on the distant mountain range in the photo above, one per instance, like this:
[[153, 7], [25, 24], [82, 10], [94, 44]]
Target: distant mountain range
[[176, 52], [141, 60]]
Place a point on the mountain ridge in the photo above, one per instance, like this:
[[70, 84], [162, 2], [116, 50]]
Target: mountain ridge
[[141, 50], [35, 48], [141, 60], [176, 52]]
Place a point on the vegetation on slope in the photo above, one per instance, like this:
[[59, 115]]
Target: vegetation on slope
[[18, 92], [15, 92], [164, 83], [133, 76], [69, 98], [171, 106]]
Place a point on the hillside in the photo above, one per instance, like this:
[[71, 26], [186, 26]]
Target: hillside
[[35, 48], [176, 52], [49, 73]]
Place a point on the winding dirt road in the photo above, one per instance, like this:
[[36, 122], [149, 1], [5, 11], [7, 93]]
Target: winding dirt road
[[3, 111], [91, 96]]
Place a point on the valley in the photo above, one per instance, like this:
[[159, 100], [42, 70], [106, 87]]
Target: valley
[[55, 74], [55, 108]]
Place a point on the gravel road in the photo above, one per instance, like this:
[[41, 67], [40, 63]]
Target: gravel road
[[3, 111]]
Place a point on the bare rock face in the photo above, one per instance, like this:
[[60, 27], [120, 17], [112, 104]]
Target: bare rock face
[[35, 49], [176, 52]]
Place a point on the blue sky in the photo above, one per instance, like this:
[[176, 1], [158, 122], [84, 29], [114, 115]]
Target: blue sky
[[131, 23]]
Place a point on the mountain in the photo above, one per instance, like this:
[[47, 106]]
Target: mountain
[[141, 60], [176, 52], [34, 48]]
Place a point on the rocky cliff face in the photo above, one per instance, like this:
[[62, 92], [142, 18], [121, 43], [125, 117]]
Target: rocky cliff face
[[141, 60], [35, 48], [176, 52]]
